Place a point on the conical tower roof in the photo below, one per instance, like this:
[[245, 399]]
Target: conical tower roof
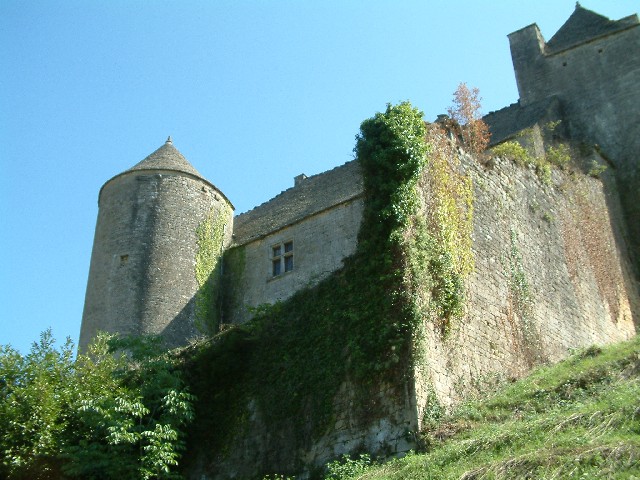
[[167, 157]]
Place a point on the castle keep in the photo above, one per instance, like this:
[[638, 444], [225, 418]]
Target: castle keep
[[587, 75], [163, 232]]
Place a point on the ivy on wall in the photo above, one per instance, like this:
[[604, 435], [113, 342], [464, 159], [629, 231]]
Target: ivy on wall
[[360, 324], [210, 239], [439, 242]]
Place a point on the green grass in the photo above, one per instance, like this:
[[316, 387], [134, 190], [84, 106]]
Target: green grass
[[579, 419]]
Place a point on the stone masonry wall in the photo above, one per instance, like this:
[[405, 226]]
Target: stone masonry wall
[[142, 278], [551, 274], [255, 451], [320, 243], [598, 83]]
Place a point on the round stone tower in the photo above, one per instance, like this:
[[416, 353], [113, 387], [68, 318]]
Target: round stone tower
[[158, 243]]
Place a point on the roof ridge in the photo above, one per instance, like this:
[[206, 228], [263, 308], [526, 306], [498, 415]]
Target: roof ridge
[[582, 26], [315, 194], [306, 180]]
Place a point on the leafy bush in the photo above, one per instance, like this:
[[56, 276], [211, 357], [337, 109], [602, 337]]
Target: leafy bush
[[347, 468], [560, 155], [595, 169], [103, 415], [513, 151]]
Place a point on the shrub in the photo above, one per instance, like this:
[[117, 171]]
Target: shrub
[[596, 168], [102, 415], [512, 150], [559, 156], [347, 468]]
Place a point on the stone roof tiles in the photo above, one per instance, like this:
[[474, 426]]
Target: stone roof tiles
[[309, 196], [584, 25], [167, 157]]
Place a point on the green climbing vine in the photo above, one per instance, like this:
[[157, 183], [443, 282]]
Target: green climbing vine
[[209, 238], [518, 283], [361, 322], [439, 246]]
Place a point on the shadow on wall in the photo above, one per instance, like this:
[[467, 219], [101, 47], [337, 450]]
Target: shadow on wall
[[623, 246], [202, 315], [182, 328]]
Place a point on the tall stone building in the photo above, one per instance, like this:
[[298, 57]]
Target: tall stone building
[[141, 278], [161, 224], [588, 73]]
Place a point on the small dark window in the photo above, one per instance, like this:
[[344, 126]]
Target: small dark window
[[288, 263], [277, 269], [281, 258]]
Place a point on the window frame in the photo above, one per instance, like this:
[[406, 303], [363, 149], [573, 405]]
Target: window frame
[[281, 258]]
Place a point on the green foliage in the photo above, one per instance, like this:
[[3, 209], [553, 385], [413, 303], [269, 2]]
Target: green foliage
[[432, 268], [347, 468], [552, 126], [513, 151], [543, 170], [97, 417], [438, 244], [33, 399], [434, 411], [289, 362], [392, 152], [356, 324], [208, 261], [596, 169], [579, 419], [559, 155], [518, 284]]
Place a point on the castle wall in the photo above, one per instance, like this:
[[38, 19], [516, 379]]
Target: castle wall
[[320, 243], [598, 82], [141, 278], [551, 274], [259, 449]]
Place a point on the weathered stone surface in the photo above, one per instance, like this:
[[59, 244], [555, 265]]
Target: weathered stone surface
[[320, 243], [142, 278], [569, 240], [309, 196], [592, 66]]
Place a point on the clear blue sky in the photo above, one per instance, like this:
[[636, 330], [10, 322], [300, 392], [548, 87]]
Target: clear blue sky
[[252, 92]]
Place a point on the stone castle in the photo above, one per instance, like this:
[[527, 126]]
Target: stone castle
[[577, 239]]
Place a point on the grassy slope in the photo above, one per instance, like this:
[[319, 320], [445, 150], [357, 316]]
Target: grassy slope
[[576, 419]]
